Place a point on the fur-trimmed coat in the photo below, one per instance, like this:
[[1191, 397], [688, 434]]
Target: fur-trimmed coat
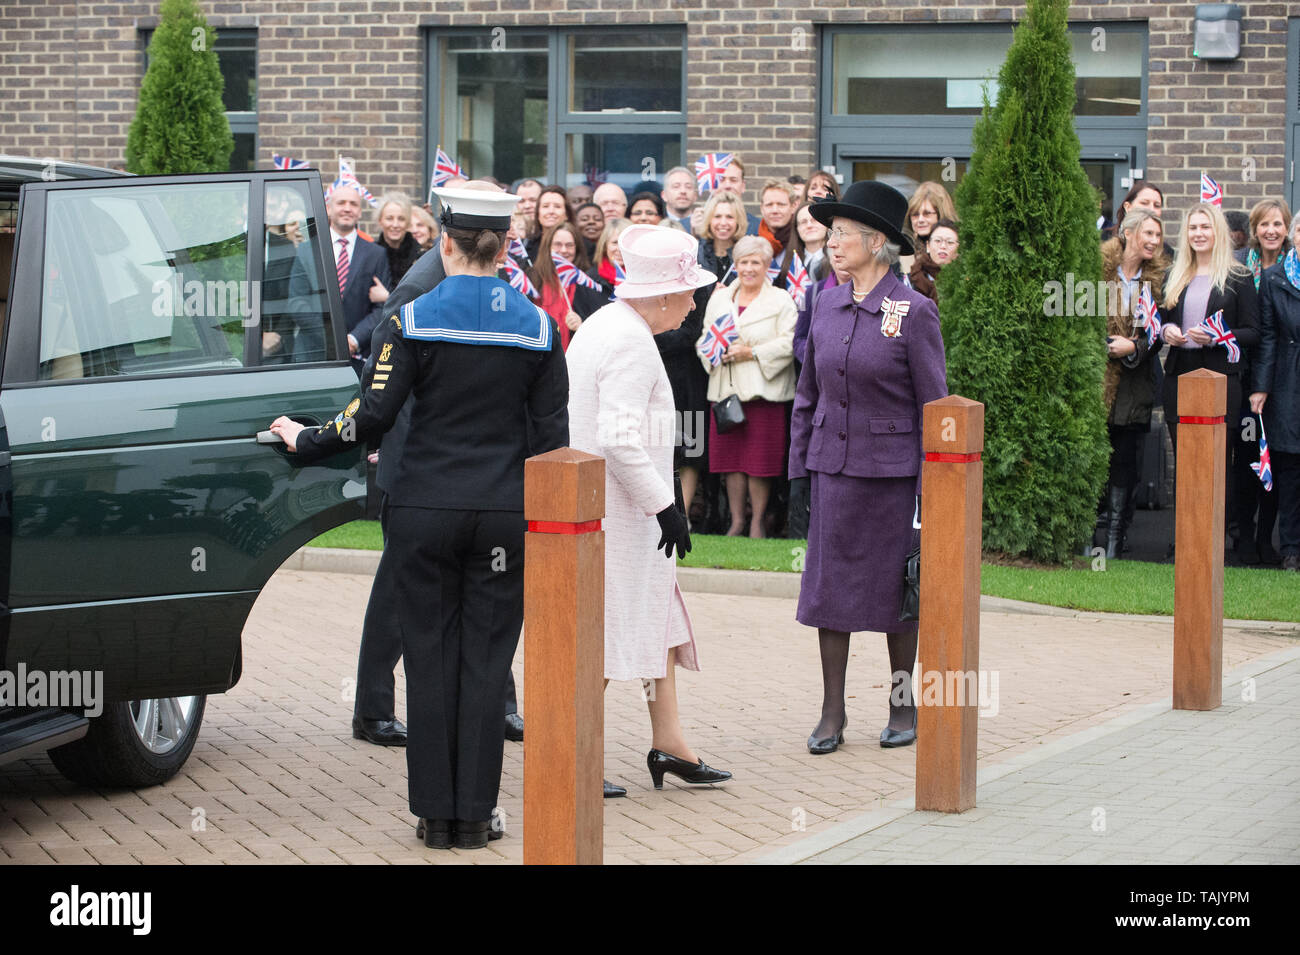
[[1130, 381]]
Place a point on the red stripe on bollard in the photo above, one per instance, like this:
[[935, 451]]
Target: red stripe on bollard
[[946, 458], [562, 527], [1200, 419]]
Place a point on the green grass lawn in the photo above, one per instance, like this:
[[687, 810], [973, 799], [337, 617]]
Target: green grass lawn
[[1125, 586]]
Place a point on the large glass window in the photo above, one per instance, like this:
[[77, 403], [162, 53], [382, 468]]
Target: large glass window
[[295, 324], [568, 106], [930, 71]]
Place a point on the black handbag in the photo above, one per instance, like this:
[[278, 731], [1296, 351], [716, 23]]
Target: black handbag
[[910, 607], [728, 413]]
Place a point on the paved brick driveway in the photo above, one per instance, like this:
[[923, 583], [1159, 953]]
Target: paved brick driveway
[[277, 777]]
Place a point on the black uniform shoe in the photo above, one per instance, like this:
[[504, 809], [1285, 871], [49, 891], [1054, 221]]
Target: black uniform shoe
[[820, 746], [514, 727], [892, 738], [612, 791], [380, 732], [436, 833], [472, 834]]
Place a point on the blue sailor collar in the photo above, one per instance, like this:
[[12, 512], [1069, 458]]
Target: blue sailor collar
[[477, 310]]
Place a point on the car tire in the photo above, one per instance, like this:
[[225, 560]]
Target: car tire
[[135, 744]]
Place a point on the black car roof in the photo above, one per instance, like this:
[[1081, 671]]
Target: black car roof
[[16, 170]]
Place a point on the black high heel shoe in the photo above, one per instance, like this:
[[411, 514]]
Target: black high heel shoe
[[827, 744], [436, 833], [893, 738], [697, 774]]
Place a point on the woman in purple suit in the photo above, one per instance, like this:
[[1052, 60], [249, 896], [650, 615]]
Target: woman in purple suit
[[874, 358]]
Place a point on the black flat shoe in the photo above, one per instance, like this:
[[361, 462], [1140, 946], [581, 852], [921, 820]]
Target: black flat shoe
[[892, 738], [697, 774], [514, 727], [380, 732], [436, 833], [472, 834], [612, 791], [827, 744]]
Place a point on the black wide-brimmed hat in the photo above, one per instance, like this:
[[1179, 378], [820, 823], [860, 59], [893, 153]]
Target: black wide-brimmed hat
[[873, 203]]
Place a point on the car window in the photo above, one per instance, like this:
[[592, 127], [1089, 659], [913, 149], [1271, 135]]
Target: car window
[[145, 280], [295, 324]]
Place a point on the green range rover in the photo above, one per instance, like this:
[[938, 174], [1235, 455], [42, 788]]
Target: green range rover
[[152, 327]]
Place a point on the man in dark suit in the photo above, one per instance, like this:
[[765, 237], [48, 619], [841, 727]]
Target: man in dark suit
[[360, 264], [381, 644]]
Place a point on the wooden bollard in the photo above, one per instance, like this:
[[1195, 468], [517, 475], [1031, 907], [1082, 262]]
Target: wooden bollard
[[1198, 534], [952, 502], [564, 658]]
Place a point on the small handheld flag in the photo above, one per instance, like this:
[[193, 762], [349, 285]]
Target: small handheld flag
[[518, 278], [1147, 313], [1210, 191], [444, 169], [796, 282], [347, 177], [717, 337], [1222, 335], [730, 273], [518, 250], [285, 162], [773, 270], [570, 274], [709, 169], [1264, 467]]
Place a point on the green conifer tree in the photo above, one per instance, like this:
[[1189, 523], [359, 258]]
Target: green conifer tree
[[180, 122], [1028, 220]]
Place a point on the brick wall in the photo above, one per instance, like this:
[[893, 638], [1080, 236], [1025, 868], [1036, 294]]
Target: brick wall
[[348, 78]]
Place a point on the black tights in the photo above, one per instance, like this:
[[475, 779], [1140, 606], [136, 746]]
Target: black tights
[[834, 646]]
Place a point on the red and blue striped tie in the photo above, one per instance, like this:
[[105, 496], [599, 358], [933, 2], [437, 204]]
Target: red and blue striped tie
[[343, 264]]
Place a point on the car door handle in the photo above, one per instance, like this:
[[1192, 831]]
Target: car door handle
[[270, 437]]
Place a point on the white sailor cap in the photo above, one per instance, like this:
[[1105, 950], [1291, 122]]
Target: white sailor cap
[[476, 209]]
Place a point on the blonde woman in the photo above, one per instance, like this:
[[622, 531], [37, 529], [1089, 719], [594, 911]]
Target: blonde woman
[[724, 222], [758, 367], [1204, 279], [394, 237], [608, 257], [423, 228]]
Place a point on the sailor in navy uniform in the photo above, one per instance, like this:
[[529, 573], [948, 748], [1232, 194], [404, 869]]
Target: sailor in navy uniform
[[490, 388]]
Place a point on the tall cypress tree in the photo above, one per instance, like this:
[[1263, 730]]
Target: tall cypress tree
[[180, 121], [1029, 220]]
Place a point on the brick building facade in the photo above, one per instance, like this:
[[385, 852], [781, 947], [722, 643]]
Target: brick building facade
[[788, 86]]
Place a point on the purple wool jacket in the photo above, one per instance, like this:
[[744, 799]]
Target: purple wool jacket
[[857, 410]]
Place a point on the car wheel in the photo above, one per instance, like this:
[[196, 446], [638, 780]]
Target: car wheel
[[140, 743]]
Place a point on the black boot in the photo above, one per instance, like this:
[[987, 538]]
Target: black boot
[[1115, 521]]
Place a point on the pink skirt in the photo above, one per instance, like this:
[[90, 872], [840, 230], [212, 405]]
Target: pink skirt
[[757, 448]]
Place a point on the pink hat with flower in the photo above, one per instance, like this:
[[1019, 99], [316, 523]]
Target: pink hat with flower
[[659, 261]]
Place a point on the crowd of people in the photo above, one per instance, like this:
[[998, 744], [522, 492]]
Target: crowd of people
[[807, 335]]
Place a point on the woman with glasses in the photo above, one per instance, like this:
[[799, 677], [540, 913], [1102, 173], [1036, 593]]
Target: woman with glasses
[[874, 358]]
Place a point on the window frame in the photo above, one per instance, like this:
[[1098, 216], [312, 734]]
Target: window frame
[[561, 122]]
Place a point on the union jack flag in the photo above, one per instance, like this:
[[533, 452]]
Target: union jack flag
[[729, 274], [569, 273], [796, 281], [1222, 335], [348, 177], [518, 251], [1264, 467], [619, 275], [717, 337], [518, 278], [594, 175], [285, 162], [444, 168], [709, 169], [1210, 191], [1145, 310], [773, 270]]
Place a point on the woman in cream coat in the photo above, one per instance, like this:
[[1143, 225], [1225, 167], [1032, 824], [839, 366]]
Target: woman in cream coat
[[621, 407], [758, 367]]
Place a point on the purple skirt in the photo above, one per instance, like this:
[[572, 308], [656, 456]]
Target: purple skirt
[[859, 536], [757, 447]]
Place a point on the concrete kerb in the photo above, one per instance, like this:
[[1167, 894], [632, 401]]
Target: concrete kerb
[[850, 829], [756, 583]]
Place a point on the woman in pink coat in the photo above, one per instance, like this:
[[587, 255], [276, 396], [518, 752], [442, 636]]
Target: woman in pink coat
[[621, 407]]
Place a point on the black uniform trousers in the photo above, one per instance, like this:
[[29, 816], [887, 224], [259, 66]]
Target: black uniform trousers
[[457, 581], [381, 646]]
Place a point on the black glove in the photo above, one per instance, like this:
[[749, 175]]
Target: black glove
[[673, 532]]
